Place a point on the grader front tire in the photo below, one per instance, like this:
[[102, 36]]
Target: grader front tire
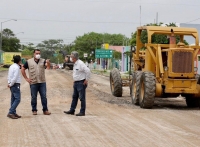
[[191, 101], [147, 90], [197, 77], [116, 83], [135, 87]]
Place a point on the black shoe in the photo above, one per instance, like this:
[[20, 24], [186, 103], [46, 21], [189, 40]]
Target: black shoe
[[69, 112], [18, 116], [12, 116], [80, 114]]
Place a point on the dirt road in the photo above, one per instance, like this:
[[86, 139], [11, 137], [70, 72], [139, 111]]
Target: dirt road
[[109, 121]]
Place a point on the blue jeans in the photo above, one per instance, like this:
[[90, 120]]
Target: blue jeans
[[79, 92], [15, 98], [41, 88]]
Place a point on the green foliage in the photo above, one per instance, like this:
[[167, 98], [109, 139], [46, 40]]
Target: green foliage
[[28, 47], [91, 41], [133, 38], [51, 47], [83, 44], [9, 42], [46, 54], [27, 52], [51, 44], [58, 59], [117, 55], [7, 33], [3, 69], [171, 25]]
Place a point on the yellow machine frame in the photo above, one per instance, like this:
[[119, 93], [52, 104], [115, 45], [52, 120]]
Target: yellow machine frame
[[174, 78]]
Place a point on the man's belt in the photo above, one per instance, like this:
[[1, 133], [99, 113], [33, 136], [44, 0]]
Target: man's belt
[[79, 81], [17, 83]]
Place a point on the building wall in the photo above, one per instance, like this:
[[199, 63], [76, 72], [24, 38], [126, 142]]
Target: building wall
[[124, 59]]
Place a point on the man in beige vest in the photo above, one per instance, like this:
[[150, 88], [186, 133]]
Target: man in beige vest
[[36, 67]]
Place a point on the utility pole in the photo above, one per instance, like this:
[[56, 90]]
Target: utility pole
[[140, 14], [157, 18]]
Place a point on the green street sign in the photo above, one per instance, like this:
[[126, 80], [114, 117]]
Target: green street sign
[[103, 56], [103, 53]]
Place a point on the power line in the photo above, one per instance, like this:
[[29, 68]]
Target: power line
[[106, 1], [192, 20], [121, 22]]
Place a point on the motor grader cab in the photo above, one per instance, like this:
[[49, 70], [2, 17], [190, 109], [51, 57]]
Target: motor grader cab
[[162, 70]]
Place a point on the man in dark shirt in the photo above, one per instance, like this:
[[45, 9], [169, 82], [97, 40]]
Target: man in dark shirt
[[26, 64], [37, 81]]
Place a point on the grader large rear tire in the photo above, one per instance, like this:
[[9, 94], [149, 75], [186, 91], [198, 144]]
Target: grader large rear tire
[[116, 83], [135, 87], [197, 77], [147, 90], [191, 101]]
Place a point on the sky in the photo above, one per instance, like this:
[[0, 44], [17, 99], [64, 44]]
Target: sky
[[41, 20]]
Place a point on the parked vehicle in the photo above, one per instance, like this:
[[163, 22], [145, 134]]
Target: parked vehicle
[[68, 64]]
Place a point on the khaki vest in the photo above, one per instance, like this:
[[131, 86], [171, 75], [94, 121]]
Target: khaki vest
[[36, 71]]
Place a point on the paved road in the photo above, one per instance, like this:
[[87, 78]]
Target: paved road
[[109, 121]]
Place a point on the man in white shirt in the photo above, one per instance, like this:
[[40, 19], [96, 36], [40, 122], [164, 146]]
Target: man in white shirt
[[81, 75], [14, 81]]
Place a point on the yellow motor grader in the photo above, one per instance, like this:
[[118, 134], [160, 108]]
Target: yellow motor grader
[[161, 70]]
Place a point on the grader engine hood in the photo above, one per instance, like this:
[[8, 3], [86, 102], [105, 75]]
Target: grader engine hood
[[181, 63]]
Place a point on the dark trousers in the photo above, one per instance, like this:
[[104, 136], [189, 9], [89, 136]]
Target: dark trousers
[[41, 88], [15, 98], [79, 92]]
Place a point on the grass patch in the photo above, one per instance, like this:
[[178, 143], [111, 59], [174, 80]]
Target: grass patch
[[3, 69], [101, 72]]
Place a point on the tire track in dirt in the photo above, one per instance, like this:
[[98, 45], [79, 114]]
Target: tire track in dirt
[[109, 121]]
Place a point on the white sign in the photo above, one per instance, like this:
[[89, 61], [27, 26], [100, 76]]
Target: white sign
[[85, 54]]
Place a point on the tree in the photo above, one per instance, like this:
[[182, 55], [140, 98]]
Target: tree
[[27, 52], [46, 54], [83, 44], [9, 42], [52, 49], [171, 25], [56, 59], [91, 41], [7, 33], [117, 55], [51, 44]]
